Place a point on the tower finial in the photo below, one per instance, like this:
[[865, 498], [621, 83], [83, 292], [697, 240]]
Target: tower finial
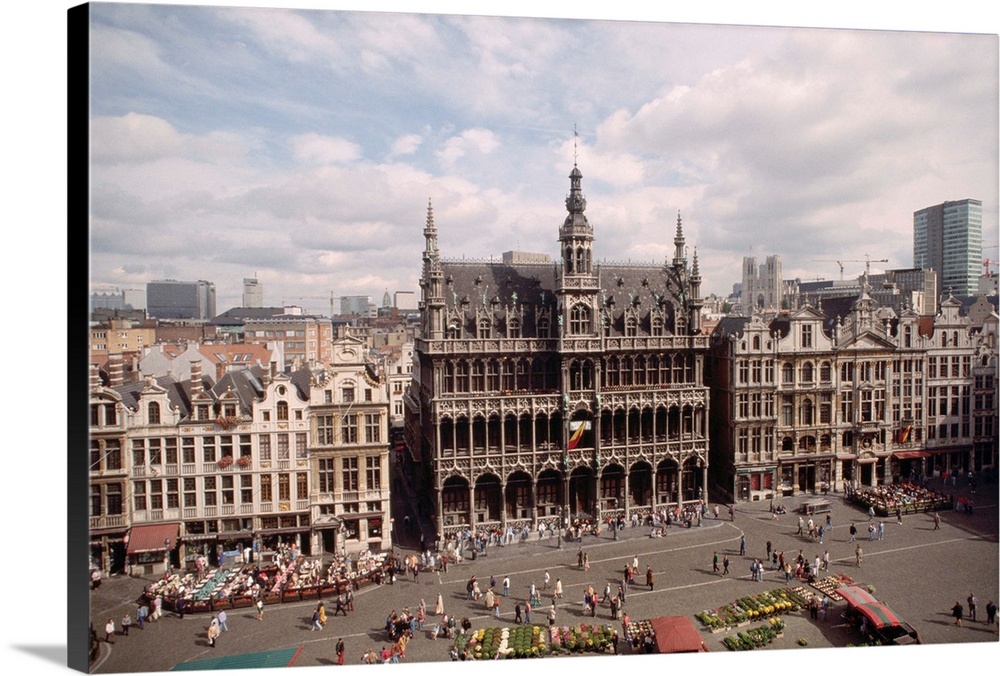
[[576, 135]]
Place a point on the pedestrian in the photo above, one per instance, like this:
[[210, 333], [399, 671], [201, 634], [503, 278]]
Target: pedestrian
[[820, 531], [649, 577], [557, 593], [991, 612], [826, 559], [213, 632], [858, 554], [223, 626], [527, 613], [768, 549], [854, 532], [109, 631], [141, 612], [579, 558], [586, 561], [552, 614], [506, 585], [881, 530], [732, 514], [545, 581], [956, 612], [972, 606], [421, 614], [725, 565], [937, 521], [871, 512], [341, 606], [774, 559], [496, 606], [788, 573], [340, 651], [871, 532], [614, 634], [743, 545], [801, 524], [825, 606], [316, 626], [349, 599], [517, 612], [260, 609], [126, 623], [715, 562], [715, 511], [899, 515]]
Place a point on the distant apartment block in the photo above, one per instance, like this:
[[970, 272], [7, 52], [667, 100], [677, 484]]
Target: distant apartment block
[[948, 238], [171, 299]]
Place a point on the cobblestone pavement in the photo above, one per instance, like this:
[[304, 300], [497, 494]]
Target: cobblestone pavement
[[917, 571]]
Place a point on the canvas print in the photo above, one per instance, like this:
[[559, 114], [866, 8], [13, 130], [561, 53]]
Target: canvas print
[[428, 338]]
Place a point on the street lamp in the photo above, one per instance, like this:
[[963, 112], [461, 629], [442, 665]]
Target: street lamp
[[559, 529], [614, 521]]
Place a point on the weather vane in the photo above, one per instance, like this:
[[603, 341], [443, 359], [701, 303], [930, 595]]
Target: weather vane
[[576, 135]]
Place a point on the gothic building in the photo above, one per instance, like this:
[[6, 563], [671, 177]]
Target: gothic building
[[546, 388]]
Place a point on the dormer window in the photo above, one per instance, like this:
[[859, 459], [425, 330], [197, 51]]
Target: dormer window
[[153, 413]]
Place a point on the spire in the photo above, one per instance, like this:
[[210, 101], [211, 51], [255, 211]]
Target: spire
[[695, 273], [679, 243], [430, 232]]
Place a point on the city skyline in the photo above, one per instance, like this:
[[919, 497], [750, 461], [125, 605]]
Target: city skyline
[[302, 146]]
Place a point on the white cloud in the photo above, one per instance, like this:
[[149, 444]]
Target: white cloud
[[317, 149], [407, 144], [470, 141]]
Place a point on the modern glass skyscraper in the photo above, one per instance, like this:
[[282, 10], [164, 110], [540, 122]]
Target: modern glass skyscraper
[[948, 238]]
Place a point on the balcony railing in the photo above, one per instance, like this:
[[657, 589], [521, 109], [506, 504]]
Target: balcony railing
[[107, 521]]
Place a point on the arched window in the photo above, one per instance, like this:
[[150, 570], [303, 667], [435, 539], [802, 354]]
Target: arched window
[[807, 372], [579, 320], [787, 373], [153, 413], [806, 413], [513, 327], [484, 328], [282, 409]]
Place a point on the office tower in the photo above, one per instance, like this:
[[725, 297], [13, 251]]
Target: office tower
[[253, 292], [948, 238], [170, 299]]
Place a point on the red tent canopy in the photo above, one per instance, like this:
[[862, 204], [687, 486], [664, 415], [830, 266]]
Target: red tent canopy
[[879, 615], [676, 634], [856, 596]]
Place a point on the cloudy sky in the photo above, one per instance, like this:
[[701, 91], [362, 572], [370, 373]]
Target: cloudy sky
[[302, 146]]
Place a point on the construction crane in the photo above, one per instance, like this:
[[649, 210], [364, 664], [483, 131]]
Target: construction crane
[[867, 260], [332, 299], [987, 262]]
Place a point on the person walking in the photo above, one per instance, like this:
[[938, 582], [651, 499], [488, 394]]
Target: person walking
[[881, 530], [260, 610], [649, 577], [607, 592], [439, 606], [340, 651], [579, 558], [871, 513], [991, 612], [899, 515], [937, 521], [732, 514], [141, 613], [109, 631], [506, 585], [858, 554], [788, 573], [854, 532], [768, 545], [586, 561], [126, 623], [545, 580], [213, 631], [715, 562], [801, 525], [956, 612], [527, 613], [743, 545], [871, 532], [557, 593], [614, 634], [972, 606], [341, 606], [552, 613], [725, 565], [517, 612], [826, 559], [223, 618], [316, 626]]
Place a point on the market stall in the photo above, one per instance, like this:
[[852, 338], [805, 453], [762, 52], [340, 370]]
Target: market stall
[[879, 622], [676, 634]]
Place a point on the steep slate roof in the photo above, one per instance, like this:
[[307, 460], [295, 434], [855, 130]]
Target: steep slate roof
[[500, 286], [178, 393]]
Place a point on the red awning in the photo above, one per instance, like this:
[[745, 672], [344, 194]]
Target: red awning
[[154, 537], [910, 455], [676, 634], [879, 615], [856, 596]]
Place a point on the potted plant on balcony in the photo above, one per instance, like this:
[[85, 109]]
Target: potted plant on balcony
[[244, 461], [225, 461]]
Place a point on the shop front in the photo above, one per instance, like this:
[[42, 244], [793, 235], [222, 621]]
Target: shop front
[[755, 483], [150, 548]]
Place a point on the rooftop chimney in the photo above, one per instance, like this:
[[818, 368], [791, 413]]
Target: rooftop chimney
[[116, 369], [196, 386], [95, 377]]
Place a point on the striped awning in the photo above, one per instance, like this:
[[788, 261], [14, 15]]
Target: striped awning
[[879, 615], [154, 537], [856, 596], [911, 455]]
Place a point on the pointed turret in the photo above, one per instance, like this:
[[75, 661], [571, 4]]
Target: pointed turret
[[432, 280], [679, 256]]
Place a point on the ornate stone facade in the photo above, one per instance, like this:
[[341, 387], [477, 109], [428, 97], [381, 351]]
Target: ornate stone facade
[[572, 387]]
